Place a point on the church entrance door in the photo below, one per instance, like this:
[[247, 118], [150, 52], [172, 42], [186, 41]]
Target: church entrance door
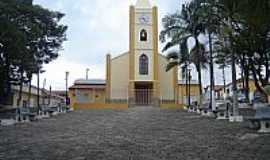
[[144, 94]]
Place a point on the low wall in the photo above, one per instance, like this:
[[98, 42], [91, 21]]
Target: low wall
[[100, 106], [172, 106], [120, 106]]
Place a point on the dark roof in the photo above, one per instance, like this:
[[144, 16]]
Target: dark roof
[[90, 82], [77, 86]]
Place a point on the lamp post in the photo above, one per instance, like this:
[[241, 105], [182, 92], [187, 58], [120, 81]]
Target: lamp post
[[87, 70], [189, 87], [186, 78], [38, 90], [67, 100]]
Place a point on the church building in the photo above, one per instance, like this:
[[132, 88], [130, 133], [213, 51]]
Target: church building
[[138, 76]]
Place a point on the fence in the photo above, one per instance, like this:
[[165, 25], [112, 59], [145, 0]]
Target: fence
[[143, 97]]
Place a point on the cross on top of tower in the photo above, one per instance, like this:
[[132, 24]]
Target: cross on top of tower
[[143, 4]]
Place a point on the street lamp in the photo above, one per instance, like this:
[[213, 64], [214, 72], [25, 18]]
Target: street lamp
[[87, 70], [189, 87], [67, 100]]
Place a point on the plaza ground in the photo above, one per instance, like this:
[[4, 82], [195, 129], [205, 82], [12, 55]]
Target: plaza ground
[[132, 134]]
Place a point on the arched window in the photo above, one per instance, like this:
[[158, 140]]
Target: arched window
[[143, 65], [143, 35]]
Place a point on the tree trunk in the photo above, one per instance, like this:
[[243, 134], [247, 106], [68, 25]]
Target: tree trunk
[[234, 87], [267, 71], [200, 84], [186, 72], [21, 88], [198, 66], [256, 80], [224, 81], [38, 105], [212, 79], [246, 79], [242, 79], [29, 92]]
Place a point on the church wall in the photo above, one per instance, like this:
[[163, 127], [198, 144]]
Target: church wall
[[166, 80], [119, 77]]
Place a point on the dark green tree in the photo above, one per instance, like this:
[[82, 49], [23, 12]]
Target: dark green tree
[[30, 36]]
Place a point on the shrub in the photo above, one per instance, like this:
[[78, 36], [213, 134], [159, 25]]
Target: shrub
[[267, 89]]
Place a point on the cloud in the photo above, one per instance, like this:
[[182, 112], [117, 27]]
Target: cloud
[[55, 73], [96, 28]]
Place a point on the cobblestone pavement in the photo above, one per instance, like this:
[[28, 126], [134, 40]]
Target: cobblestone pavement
[[133, 134]]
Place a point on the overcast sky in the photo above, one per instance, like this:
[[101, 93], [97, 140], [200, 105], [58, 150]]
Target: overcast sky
[[95, 28]]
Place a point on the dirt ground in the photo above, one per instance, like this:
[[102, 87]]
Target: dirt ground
[[133, 134]]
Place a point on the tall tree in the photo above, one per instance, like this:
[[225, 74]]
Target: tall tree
[[29, 34], [178, 29]]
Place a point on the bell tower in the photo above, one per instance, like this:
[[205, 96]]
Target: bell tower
[[143, 47]]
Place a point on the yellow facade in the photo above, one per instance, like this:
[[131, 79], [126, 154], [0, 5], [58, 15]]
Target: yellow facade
[[252, 86], [93, 95], [194, 93]]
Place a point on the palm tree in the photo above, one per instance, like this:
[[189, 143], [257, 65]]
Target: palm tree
[[179, 28], [211, 21], [230, 17]]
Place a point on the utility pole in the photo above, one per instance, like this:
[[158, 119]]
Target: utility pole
[[67, 100]]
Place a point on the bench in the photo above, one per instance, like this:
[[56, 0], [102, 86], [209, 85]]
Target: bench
[[205, 110], [24, 114], [192, 108], [222, 111], [8, 114], [62, 109], [8, 117], [44, 112], [261, 121], [53, 111]]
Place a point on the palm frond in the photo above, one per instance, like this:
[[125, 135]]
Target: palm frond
[[173, 55], [176, 40], [171, 65]]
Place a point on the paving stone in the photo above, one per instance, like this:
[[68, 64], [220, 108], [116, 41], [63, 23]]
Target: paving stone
[[133, 134]]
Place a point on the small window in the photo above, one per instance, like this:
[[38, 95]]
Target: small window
[[143, 35], [143, 66]]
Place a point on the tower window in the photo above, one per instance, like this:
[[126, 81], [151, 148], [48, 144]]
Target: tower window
[[143, 35], [143, 65]]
